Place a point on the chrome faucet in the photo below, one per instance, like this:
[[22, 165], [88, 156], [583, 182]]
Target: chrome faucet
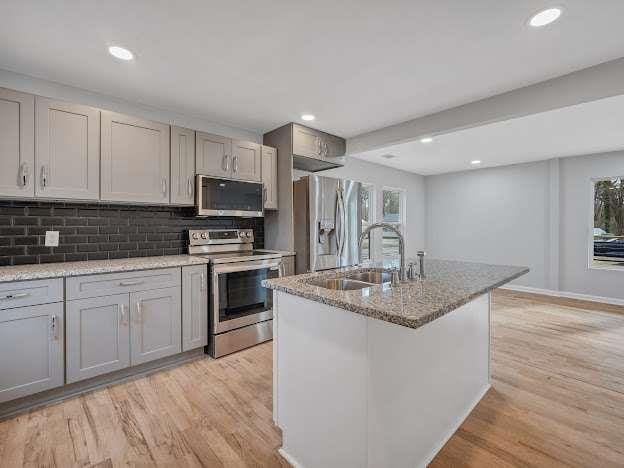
[[365, 232]]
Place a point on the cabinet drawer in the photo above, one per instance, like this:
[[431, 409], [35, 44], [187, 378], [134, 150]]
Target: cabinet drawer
[[26, 293], [82, 287]]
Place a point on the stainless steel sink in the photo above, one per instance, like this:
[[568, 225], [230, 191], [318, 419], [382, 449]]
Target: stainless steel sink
[[375, 277], [341, 284]]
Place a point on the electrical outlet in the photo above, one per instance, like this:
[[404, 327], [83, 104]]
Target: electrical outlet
[[52, 239]]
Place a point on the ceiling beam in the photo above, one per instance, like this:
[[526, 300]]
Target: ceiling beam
[[586, 85]]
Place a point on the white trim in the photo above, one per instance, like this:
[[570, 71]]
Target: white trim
[[458, 422], [565, 294], [286, 456]]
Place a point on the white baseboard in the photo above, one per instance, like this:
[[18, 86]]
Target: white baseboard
[[568, 295], [286, 456]]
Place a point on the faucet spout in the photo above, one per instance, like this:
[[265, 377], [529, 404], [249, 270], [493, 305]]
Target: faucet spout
[[365, 232]]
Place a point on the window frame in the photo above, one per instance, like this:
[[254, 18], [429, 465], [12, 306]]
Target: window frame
[[372, 190], [402, 212], [590, 230]]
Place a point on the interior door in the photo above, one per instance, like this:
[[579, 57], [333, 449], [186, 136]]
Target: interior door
[[67, 151], [17, 138], [155, 330]]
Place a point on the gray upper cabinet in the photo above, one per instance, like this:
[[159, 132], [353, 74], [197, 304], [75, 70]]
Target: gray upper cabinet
[[31, 350], [67, 151], [269, 177], [135, 159], [246, 161], [17, 154], [98, 337], [156, 324], [213, 155], [194, 307], [182, 166], [306, 142]]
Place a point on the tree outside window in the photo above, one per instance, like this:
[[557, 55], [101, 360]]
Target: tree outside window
[[608, 226], [393, 213]]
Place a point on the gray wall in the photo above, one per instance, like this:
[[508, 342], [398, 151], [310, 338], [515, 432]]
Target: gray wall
[[380, 176], [535, 214]]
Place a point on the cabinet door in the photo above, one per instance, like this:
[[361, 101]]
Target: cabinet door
[[246, 160], [289, 265], [182, 166], [31, 350], [135, 159], [306, 142], [269, 177], [334, 146], [17, 140], [213, 155], [194, 307], [67, 152], [98, 339], [155, 331]]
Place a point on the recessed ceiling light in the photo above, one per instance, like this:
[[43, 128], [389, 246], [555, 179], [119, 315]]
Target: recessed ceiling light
[[426, 139], [120, 53], [388, 156], [545, 17], [307, 117], [475, 162]]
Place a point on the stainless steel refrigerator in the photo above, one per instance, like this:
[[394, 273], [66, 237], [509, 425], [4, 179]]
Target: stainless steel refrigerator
[[327, 222]]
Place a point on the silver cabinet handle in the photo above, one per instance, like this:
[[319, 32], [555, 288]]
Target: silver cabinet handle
[[9, 297], [139, 312], [54, 327], [264, 196], [44, 175], [124, 315], [189, 187], [317, 141], [24, 174], [131, 283], [164, 186], [235, 164], [226, 162], [202, 285], [326, 149]]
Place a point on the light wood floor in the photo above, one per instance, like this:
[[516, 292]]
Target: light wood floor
[[557, 399]]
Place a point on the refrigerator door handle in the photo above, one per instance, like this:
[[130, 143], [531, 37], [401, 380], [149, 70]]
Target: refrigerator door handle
[[340, 235]]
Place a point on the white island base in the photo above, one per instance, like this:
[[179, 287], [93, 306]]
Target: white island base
[[353, 391]]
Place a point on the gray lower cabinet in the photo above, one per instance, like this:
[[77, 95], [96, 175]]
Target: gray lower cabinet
[[155, 330], [98, 337], [31, 350], [194, 307], [288, 263]]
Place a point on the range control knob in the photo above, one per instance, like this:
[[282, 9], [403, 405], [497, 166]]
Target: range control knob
[[242, 234], [194, 236], [203, 235]]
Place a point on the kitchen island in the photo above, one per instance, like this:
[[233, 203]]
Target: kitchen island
[[380, 376]]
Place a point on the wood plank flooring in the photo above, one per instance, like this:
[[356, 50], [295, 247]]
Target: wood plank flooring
[[557, 400]]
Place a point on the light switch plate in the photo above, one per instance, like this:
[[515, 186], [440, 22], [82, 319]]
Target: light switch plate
[[52, 239]]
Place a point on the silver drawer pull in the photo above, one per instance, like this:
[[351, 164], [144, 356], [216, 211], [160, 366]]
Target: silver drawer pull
[[202, 282], [131, 283], [54, 327], [139, 312], [124, 314], [15, 296]]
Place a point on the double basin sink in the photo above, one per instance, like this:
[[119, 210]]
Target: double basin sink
[[353, 281]]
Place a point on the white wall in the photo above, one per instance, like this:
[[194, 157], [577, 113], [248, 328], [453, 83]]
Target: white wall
[[382, 176], [535, 214], [29, 84], [495, 215]]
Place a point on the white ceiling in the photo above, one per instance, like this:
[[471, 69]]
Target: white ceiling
[[589, 128], [358, 65]]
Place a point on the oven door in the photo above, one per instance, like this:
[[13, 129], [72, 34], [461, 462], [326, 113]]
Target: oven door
[[227, 197], [238, 297]]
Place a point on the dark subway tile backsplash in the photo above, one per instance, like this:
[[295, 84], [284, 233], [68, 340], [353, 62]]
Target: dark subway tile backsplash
[[97, 232]]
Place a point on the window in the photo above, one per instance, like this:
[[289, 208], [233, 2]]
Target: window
[[367, 210], [608, 225], [393, 213]]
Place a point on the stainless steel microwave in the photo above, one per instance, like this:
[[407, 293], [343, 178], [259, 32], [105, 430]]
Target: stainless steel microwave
[[228, 197]]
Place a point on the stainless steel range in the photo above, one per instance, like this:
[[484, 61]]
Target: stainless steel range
[[240, 309]]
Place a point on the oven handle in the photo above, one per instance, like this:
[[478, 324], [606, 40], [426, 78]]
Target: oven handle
[[245, 266]]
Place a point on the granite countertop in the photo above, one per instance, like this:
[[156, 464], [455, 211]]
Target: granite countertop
[[447, 286], [64, 269]]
